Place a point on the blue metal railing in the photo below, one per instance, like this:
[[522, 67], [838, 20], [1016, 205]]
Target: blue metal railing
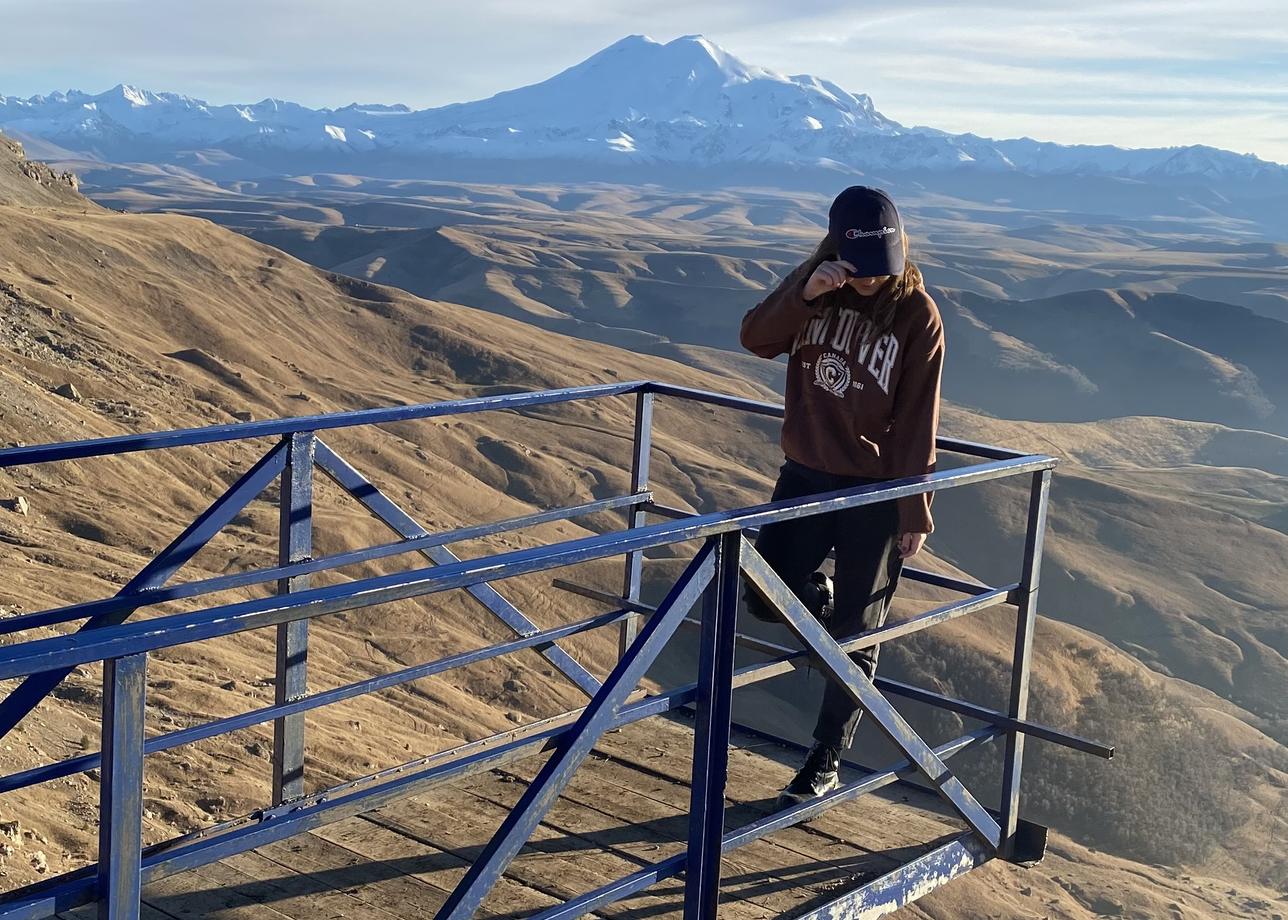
[[105, 635]]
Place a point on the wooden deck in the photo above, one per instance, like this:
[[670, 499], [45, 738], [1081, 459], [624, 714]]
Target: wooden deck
[[626, 808]]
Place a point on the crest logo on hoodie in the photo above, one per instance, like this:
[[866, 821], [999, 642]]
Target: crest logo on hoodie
[[851, 345], [832, 373]]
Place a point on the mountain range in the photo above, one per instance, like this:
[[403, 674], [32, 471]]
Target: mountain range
[[686, 103]]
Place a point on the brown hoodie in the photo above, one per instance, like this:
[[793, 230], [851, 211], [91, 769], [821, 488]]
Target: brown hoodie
[[857, 404]]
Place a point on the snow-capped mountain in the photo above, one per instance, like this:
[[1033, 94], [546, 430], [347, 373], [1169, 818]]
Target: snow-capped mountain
[[687, 102]]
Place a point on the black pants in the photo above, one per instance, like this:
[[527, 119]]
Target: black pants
[[867, 572]]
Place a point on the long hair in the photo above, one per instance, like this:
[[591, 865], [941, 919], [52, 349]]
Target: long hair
[[883, 303]]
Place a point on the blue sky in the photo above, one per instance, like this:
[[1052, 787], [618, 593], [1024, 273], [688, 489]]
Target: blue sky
[[1135, 72]]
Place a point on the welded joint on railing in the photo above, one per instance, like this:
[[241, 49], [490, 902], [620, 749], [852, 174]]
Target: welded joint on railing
[[667, 511]]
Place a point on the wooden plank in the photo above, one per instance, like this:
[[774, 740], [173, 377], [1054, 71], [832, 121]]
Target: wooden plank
[[384, 881], [307, 895], [635, 837], [212, 892], [617, 786], [436, 868], [874, 822], [769, 872], [560, 864]]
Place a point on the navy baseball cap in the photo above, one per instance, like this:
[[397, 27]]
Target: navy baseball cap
[[868, 231]]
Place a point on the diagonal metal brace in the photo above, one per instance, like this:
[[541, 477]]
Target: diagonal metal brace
[[155, 574], [403, 524], [838, 666], [597, 717], [906, 884]]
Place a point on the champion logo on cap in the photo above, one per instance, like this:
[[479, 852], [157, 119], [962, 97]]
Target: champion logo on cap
[[860, 234]]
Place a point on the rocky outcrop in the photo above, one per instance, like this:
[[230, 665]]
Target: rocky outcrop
[[30, 182]]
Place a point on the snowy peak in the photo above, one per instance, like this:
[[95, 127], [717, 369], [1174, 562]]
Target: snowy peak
[[684, 103], [689, 84], [708, 61], [131, 95], [1210, 162], [637, 54]]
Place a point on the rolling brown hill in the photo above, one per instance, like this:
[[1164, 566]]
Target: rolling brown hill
[[1052, 318], [166, 321], [671, 274]]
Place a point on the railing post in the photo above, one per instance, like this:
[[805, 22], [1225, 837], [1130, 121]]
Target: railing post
[[635, 516], [120, 789], [295, 544], [711, 733], [1025, 621]]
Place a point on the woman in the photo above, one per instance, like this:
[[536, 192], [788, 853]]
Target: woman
[[865, 350]]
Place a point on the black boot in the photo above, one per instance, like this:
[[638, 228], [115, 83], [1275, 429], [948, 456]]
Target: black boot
[[818, 596], [818, 775]]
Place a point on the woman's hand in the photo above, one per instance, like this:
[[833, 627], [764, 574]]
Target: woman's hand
[[829, 276], [910, 544]]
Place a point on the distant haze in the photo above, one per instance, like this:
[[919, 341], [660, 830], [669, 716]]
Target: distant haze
[[1143, 73]]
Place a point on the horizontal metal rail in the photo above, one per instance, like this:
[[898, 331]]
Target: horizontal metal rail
[[189, 437], [176, 629], [775, 410], [170, 740], [934, 579], [160, 595], [333, 804], [791, 659], [788, 659], [212, 434]]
